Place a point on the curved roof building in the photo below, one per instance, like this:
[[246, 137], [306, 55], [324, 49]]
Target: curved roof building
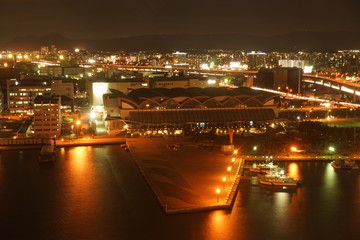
[[160, 107], [147, 98]]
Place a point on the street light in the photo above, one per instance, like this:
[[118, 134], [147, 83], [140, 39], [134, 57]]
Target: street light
[[331, 149], [217, 194], [229, 170], [233, 160], [235, 151], [224, 180], [78, 122]]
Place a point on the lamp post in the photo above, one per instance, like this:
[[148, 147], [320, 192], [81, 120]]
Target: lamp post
[[217, 194], [78, 122], [224, 181], [332, 151], [229, 170]]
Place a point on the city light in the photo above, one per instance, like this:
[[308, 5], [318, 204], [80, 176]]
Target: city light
[[331, 149], [92, 115], [218, 191]]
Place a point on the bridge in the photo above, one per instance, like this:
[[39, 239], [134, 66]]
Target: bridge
[[325, 81], [334, 83], [174, 68]]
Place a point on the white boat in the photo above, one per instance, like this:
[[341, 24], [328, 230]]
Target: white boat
[[277, 178], [263, 168]]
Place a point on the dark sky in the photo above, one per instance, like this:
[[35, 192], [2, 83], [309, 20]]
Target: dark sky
[[118, 18]]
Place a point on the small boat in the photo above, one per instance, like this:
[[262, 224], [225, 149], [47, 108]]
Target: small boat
[[335, 165], [263, 168], [347, 164], [352, 164], [278, 181], [47, 153], [277, 178]]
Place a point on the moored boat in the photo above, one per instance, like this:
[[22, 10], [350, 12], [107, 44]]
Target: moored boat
[[277, 177], [263, 168], [347, 164], [278, 181]]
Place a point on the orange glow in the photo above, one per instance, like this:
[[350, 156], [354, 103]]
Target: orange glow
[[218, 225], [229, 168], [224, 179], [78, 158], [293, 171], [218, 191], [293, 149]]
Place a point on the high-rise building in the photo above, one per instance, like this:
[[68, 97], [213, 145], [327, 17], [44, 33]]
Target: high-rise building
[[21, 94], [256, 60], [180, 59]]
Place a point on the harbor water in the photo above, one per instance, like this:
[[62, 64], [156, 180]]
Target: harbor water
[[98, 193]]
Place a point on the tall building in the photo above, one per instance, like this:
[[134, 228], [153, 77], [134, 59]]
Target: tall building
[[21, 94], [180, 59], [47, 116], [256, 60], [283, 79]]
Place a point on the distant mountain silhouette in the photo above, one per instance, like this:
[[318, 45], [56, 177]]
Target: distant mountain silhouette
[[297, 41]]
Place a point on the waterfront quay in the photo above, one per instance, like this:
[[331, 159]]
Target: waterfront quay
[[303, 157], [188, 179]]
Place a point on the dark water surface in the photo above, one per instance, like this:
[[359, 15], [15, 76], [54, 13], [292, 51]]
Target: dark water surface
[[98, 193]]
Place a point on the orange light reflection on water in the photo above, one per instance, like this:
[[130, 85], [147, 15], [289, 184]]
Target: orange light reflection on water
[[78, 158], [218, 225], [293, 171], [84, 186]]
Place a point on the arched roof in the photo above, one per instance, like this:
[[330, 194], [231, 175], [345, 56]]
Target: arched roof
[[221, 96]]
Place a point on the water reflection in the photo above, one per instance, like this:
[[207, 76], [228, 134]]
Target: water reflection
[[330, 177], [218, 225], [84, 197], [77, 159], [293, 171], [280, 202]]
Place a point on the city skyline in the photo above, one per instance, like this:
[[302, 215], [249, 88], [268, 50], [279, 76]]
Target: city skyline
[[89, 19]]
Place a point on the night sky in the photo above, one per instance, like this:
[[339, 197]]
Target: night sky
[[116, 18]]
